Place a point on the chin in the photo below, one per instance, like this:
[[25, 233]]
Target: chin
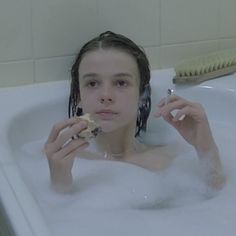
[[107, 129]]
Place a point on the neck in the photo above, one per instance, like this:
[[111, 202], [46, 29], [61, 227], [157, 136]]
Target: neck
[[118, 143]]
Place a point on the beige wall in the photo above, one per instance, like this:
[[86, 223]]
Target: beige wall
[[39, 38]]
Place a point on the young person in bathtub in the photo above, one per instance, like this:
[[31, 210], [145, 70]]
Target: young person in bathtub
[[110, 81]]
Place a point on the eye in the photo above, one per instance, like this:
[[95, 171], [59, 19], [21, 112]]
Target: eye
[[121, 83], [92, 83]]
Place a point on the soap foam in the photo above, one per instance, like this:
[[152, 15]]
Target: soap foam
[[112, 185]]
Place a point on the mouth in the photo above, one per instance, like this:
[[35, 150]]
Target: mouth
[[106, 114]]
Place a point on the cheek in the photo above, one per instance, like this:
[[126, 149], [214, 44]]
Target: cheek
[[87, 103], [87, 107], [130, 104], [133, 110]]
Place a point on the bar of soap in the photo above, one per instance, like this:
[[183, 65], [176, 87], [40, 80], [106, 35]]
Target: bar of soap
[[92, 130]]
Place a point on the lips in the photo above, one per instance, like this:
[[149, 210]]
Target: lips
[[106, 114], [106, 111]]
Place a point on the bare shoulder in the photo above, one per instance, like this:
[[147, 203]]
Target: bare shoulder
[[157, 158], [152, 158]]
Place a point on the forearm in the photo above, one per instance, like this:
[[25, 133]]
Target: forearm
[[62, 182], [212, 167]]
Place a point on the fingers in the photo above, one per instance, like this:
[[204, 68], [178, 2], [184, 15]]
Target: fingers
[[175, 103], [57, 128], [75, 152], [195, 112], [61, 149], [72, 147], [57, 139], [66, 135], [172, 98], [182, 113], [60, 160], [181, 107]]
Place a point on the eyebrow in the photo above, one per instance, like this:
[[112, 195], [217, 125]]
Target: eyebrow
[[118, 75], [123, 75], [89, 75]]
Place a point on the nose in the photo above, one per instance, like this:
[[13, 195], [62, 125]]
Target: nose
[[106, 96]]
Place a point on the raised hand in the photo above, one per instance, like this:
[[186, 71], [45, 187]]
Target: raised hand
[[61, 149], [190, 120]]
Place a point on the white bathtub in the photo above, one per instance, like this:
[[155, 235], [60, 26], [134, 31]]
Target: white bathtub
[[28, 113]]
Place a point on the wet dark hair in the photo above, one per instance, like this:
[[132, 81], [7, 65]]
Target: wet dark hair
[[109, 40]]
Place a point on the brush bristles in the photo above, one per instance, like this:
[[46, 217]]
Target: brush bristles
[[206, 64]]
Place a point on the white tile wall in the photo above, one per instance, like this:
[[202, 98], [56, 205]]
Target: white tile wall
[[227, 43], [53, 69], [137, 19], [154, 56], [16, 73], [172, 54], [15, 30], [60, 27], [227, 18], [39, 38], [189, 20]]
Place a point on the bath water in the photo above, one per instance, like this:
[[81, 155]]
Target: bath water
[[103, 187]]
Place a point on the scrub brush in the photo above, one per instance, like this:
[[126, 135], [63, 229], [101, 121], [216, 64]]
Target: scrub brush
[[205, 67]]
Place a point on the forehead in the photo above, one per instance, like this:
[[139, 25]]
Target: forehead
[[110, 61]]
